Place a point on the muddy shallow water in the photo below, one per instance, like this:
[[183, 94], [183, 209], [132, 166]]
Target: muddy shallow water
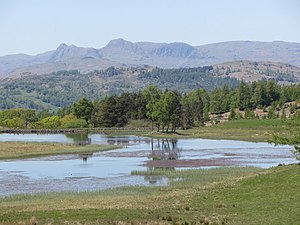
[[111, 169]]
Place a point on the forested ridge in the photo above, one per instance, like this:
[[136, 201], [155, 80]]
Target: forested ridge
[[59, 89], [166, 109], [56, 90]]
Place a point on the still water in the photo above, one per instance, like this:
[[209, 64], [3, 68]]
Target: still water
[[102, 170]]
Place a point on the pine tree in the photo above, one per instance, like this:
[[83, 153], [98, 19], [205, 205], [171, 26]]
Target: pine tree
[[232, 115], [271, 113], [243, 96]]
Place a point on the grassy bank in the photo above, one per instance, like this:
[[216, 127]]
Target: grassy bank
[[216, 196], [244, 129], [247, 130], [14, 150]]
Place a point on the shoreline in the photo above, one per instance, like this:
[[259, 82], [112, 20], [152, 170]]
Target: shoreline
[[73, 130]]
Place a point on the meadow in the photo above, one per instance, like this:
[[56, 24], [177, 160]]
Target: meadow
[[256, 130], [214, 196]]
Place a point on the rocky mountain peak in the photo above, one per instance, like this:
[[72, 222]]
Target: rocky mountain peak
[[68, 52], [165, 55], [62, 46], [175, 49], [121, 44]]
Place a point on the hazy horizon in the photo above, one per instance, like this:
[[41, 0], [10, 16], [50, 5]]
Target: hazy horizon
[[33, 27], [99, 47]]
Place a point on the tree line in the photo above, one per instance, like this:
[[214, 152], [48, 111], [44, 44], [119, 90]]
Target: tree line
[[166, 109]]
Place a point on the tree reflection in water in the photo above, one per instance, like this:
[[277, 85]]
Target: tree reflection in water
[[80, 138], [118, 141], [165, 149], [85, 156]]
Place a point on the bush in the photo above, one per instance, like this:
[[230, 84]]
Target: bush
[[70, 121], [249, 114], [14, 123], [232, 115], [50, 122], [271, 113]]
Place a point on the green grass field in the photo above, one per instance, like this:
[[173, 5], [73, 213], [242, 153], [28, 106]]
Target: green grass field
[[215, 196], [247, 130]]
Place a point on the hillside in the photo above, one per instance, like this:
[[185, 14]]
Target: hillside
[[124, 53], [59, 89], [252, 70], [41, 92]]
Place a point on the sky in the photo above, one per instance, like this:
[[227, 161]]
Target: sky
[[36, 26]]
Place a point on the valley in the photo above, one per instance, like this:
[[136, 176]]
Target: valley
[[149, 112]]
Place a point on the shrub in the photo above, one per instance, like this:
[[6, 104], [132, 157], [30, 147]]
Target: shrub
[[50, 122], [14, 123], [70, 121]]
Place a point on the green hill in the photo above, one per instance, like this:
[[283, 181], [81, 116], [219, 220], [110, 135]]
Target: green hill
[[59, 89]]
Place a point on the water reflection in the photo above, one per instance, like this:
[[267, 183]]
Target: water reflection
[[116, 141], [154, 179], [125, 140], [77, 139], [85, 156], [80, 138], [165, 149], [108, 169], [157, 179]]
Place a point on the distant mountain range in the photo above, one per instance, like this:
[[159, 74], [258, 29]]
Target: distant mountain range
[[122, 53]]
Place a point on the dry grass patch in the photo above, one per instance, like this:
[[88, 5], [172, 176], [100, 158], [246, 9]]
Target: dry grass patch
[[14, 150]]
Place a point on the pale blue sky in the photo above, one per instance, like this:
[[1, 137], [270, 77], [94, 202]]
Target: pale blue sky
[[35, 26]]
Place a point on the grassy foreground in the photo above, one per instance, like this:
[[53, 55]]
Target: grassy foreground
[[14, 150], [215, 196]]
